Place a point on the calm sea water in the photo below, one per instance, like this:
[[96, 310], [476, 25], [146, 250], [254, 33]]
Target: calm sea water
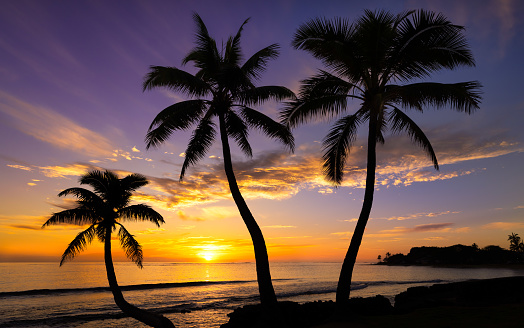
[[45, 295]]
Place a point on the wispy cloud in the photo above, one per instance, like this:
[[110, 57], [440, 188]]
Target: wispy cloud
[[25, 227], [64, 171], [443, 227], [49, 126], [20, 167], [279, 226], [503, 225], [417, 216]]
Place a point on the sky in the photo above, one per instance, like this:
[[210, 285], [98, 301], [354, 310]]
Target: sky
[[71, 100]]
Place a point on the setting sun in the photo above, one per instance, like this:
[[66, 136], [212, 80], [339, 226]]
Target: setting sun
[[209, 252], [208, 256]]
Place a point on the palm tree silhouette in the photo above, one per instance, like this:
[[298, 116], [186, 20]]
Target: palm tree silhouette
[[102, 209], [224, 89], [369, 60]]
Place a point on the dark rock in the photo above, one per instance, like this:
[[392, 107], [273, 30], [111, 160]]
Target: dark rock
[[468, 293], [295, 315]]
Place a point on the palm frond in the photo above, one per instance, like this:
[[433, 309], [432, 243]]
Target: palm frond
[[75, 216], [303, 110], [101, 230], [336, 43], [176, 80], [400, 122], [205, 55], [463, 97], [96, 179], [259, 95], [200, 142], [268, 126], [233, 54], [81, 193], [140, 212], [325, 83], [237, 129], [337, 145], [133, 182], [179, 116], [427, 43], [78, 244], [257, 63], [131, 247]]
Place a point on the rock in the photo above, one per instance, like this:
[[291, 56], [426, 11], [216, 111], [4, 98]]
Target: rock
[[468, 293]]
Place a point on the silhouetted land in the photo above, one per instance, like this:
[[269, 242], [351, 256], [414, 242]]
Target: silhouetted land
[[456, 255], [475, 303]]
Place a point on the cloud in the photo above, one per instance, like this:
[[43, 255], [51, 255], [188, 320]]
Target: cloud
[[279, 175], [416, 229], [150, 231], [25, 227], [416, 216], [23, 222], [503, 225], [51, 127], [279, 226], [67, 170], [20, 167]]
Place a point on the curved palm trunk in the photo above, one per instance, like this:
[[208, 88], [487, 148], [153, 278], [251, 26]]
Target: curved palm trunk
[[346, 273], [265, 286], [150, 319]]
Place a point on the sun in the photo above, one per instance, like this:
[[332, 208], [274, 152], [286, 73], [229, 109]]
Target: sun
[[207, 255], [209, 252]]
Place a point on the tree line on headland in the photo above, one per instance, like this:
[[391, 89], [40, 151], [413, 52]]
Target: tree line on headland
[[460, 255], [378, 62]]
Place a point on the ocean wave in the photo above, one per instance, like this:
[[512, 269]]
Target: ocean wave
[[124, 288]]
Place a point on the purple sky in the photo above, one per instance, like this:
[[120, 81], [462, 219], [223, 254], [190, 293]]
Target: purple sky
[[71, 100]]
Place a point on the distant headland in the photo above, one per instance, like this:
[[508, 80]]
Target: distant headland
[[456, 255]]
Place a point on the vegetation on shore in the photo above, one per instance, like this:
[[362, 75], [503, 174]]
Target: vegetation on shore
[[460, 255]]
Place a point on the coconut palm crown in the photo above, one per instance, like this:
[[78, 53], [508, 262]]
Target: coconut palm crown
[[371, 62], [223, 89], [102, 209]]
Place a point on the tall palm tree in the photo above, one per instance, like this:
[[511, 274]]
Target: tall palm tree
[[102, 209], [222, 89], [372, 61]]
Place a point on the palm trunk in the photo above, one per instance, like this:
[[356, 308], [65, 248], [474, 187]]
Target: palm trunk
[[150, 319], [346, 273], [265, 286]]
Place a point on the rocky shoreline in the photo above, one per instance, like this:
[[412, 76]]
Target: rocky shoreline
[[471, 293]]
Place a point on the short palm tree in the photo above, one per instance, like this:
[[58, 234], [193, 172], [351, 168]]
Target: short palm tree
[[372, 61], [222, 89], [102, 209]]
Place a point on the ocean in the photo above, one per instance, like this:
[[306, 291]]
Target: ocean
[[190, 294]]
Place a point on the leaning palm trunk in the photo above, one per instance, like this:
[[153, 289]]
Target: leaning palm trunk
[[150, 319], [265, 286], [346, 273]]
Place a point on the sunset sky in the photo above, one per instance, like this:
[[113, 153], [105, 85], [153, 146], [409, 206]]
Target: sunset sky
[[71, 100]]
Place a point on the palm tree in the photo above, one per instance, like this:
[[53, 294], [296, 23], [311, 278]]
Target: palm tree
[[222, 89], [369, 61], [515, 244], [102, 209]]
